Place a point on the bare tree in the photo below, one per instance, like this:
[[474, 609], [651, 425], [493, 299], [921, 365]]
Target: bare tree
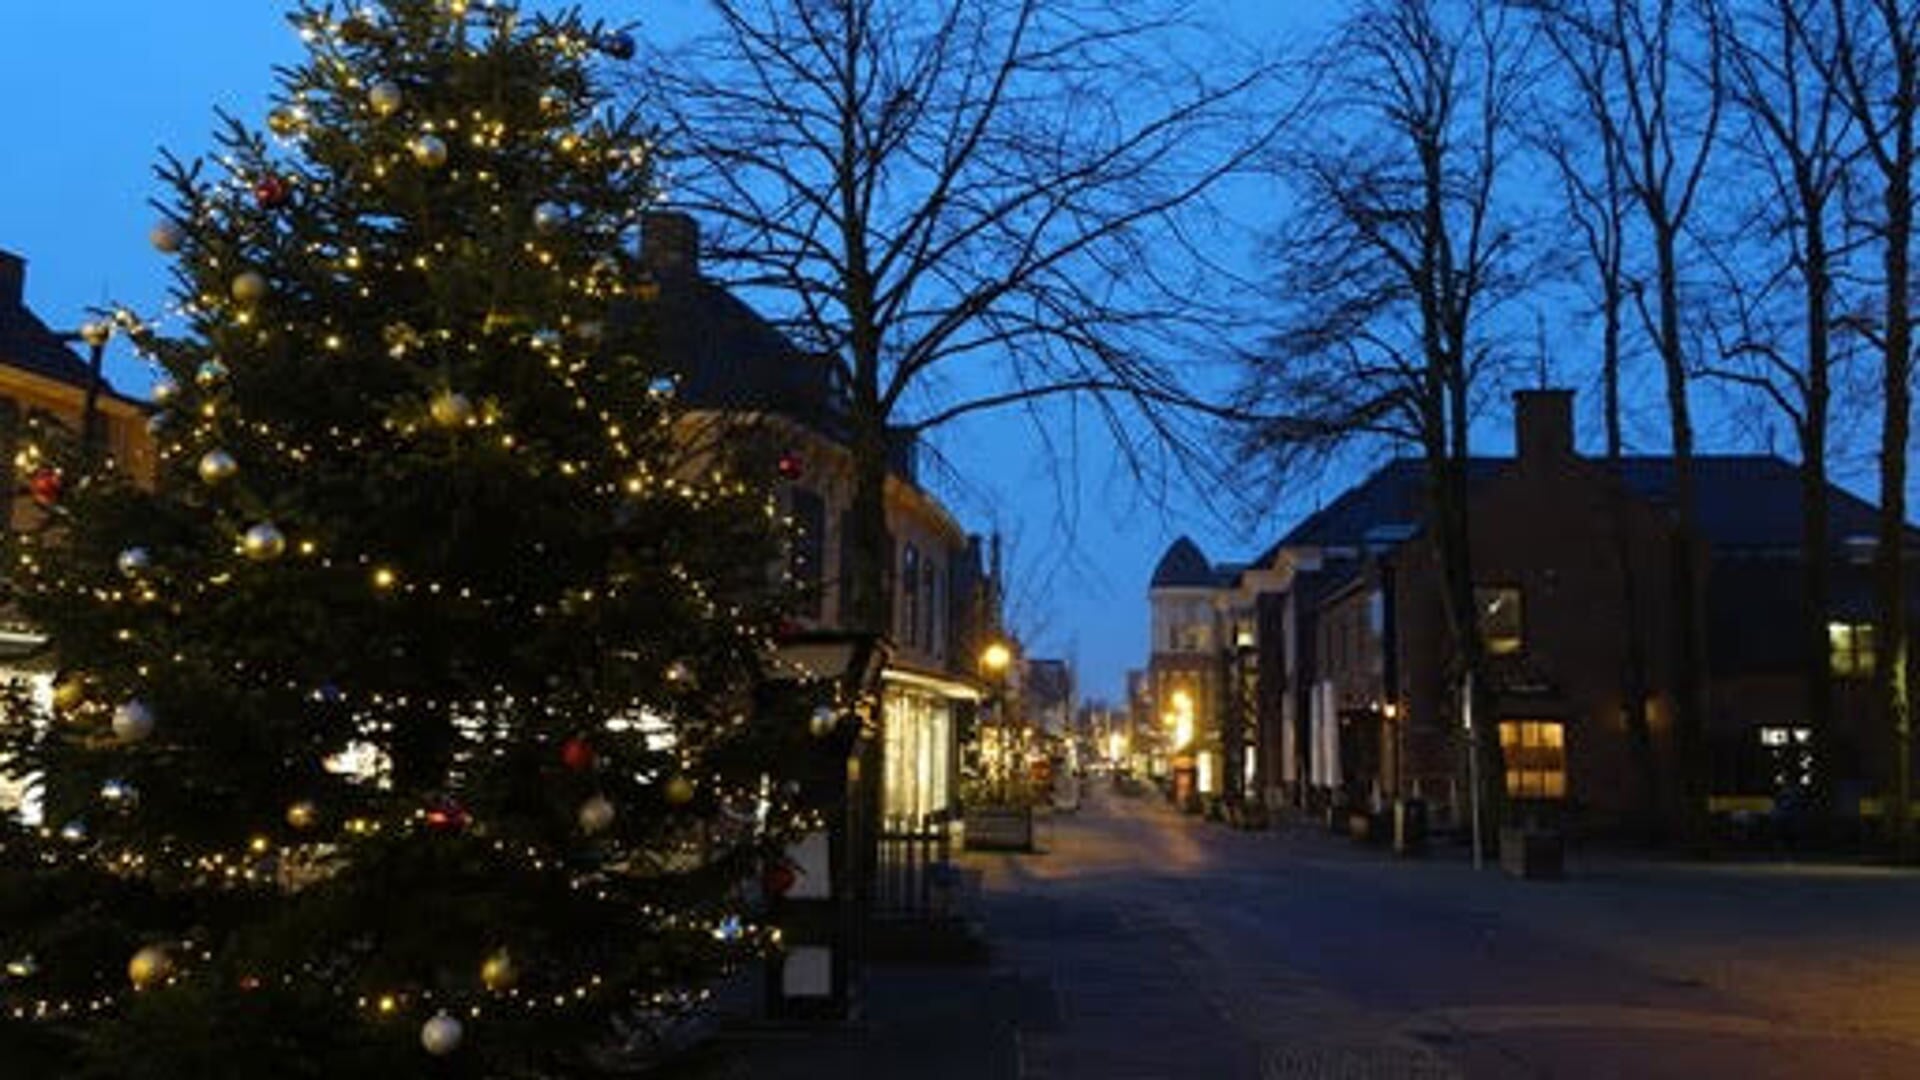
[[1006, 199], [1594, 197], [1397, 256], [1785, 247], [1876, 65], [1650, 73]]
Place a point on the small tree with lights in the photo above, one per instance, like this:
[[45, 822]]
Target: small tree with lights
[[405, 720]]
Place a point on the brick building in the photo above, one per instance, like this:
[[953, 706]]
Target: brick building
[[1357, 685]]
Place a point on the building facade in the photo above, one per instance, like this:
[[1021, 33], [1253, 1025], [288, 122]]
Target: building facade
[[1359, 685], [737, 369]]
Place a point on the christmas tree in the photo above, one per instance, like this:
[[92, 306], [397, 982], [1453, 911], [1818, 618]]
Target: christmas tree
[[405, 722]]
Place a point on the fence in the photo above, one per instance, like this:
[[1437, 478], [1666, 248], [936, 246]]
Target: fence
[[915, 877]]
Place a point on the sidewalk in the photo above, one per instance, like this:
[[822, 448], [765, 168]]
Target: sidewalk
[[932, 1023]]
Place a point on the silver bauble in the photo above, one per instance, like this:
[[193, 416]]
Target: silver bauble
[[132, 721], [554, 101], [385, 97], [134, 561], [549, 216], [165, 390], [263, 543], [596, 815], [210, 374], [441, 1035], [428, 151], [823, 721], [96, 332], [217, 467]]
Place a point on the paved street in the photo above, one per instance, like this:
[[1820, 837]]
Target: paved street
[[1148, 944]]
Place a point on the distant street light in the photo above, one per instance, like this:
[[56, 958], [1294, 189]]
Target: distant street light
[[995, 657]]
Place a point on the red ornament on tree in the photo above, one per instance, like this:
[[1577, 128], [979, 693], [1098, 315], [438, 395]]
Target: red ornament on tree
[[45, 485], [792, 465], [272, 192], [577, 754], [778, 878], [448, 815]]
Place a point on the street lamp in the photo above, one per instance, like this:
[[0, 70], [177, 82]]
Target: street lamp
[[996, 657]]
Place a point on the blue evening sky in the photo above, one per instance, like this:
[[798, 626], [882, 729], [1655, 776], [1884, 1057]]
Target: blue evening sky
[[95, 87]]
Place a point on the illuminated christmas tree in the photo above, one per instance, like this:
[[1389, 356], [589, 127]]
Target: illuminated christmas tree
[[405, 723]]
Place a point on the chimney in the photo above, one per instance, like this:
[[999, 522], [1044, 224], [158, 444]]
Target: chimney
[[669, 243], [1543, 425], [13, 280]]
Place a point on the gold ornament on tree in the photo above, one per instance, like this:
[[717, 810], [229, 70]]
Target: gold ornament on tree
[[217, 467], [152, 964], [249, 287], [303, 814], [263, 543], [428, 151], [451, 409], [497, 971], [679, 791]]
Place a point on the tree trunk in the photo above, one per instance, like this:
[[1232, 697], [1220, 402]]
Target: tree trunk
[[1814, 522], [1891, 642], [1689, 676]]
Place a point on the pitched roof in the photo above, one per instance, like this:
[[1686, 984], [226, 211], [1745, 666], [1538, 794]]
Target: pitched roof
[[1751, 500], [1743, 501], [25, 341], [1184, 566], [1395, 494]]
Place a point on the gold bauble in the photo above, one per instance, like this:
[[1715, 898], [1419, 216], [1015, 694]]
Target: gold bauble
[[283, 122], [303, 814], [497, 971], [679, 791], [451, 409], [69, 692], [263, 543], [249, 287], [148, 966], [217, 466], [428, 151]]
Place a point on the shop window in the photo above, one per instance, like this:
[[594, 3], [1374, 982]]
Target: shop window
[[1536, 755], [1850, 648], [1499, 611]]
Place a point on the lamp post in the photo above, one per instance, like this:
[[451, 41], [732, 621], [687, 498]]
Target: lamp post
[[821, 910], [94, 335]]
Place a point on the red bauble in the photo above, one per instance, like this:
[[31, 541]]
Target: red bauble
[[448, 815], [45, 485], [792, 465], [577, 754], [272, 192], [778, 879]]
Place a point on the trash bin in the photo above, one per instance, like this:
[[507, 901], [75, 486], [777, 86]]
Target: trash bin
[[1409, 826]]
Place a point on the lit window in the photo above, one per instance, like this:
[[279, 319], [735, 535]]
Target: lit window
[[1500, 622], [1536, 754], [1851, 649]]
